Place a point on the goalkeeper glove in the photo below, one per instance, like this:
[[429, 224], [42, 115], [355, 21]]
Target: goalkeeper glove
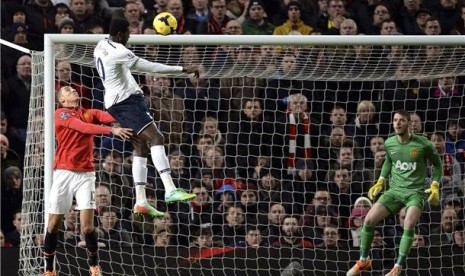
[[376, 189], [433, 192]]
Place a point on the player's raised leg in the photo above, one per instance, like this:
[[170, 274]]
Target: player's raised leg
[[160, 160], [377, 213]]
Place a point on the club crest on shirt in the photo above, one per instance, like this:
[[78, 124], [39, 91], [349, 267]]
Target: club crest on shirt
[[64, 115], [414, 153], [87, 117]]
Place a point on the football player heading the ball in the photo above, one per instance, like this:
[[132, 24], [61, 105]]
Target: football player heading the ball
[[165, 23], [125, 101]]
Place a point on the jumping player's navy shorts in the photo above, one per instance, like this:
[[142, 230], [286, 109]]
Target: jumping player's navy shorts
[[132, 113]]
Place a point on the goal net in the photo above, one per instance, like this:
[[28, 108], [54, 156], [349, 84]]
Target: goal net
[[280, 139]]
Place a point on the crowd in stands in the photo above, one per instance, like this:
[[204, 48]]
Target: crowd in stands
[[272, 162]]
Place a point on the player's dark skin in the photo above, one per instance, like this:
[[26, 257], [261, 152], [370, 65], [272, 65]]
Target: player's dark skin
[[150, 136]]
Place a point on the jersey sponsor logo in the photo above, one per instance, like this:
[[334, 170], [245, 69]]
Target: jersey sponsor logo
[[414, 153], [406, 166], [64, 115]]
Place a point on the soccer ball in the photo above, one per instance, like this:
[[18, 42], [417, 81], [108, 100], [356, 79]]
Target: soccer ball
[[165, 23]]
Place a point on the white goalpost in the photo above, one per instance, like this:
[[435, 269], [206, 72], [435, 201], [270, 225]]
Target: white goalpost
[[328, 70]]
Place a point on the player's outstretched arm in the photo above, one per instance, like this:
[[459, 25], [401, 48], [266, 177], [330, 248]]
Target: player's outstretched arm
[[144, 65]]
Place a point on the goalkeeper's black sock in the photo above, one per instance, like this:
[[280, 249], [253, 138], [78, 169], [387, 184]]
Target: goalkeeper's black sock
[[92, 248], [50, 245]]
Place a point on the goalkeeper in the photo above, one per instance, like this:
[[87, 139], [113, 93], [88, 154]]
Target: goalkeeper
[[407, 155]]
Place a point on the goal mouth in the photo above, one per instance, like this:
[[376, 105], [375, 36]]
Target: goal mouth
[[245, 80]]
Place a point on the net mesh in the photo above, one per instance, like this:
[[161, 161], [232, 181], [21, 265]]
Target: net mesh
[[355, 78]]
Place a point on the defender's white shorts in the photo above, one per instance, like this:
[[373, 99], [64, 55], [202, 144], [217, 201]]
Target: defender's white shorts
[[67, 184]]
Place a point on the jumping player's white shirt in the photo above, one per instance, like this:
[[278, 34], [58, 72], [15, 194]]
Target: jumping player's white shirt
[[114, 63]]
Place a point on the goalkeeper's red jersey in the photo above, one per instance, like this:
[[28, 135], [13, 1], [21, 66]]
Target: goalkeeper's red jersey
[[74, 130]]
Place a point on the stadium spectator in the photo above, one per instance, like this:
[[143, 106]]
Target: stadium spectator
[[294, 24], [355, 225], [271, 188], [292, 135], [234, 228], [203, 238], [247, 137], [448, 14], [166, 107], [210, 126], [83, 18], [201, 144], [419, 241], [197, 213], [322, 197], [363, 12], [421, 15], [179, 169], [378, 239], [64, 77], [162, 236], [376, 144], [249, 202], [217, 19], [344, 191], [388, 27], [348, 159], [432, 26], [3, 243], [253, 237], [459, 236], [416, 124], [70, 230], [366, 124], [460, 23], [237, 9], [407, 17], [61, 12], [42, 14], [14, 236], [452, 176], [443, 234], [114, 174], [291, 234], [12, 196], [17, 103], [201, 97], [380, 14], [348, 27], [66, 26], [336, 14], [102, 197], [331, 238], [225, 196], [213, 159], [455, 139], [197, 15], [176, 8], [110, 231], [330, 147], [271, 227], [8, 157], [445, 102], [256, 23], [233, 27], [453, 201]]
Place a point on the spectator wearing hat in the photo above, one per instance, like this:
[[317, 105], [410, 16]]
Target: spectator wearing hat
[[255, 22], [357, 215], [225, 197], [294, 23], [420, 18], [66, 26], [12, 196], [61, 11]]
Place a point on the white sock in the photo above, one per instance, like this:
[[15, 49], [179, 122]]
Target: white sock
[[139, 175], [163, 167]]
